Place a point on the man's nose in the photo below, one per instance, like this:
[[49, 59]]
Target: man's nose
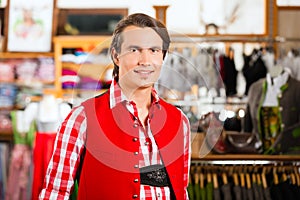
[[144, 58]]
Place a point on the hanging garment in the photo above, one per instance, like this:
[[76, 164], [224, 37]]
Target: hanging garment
[[217, 194], [267, 194], [200, 62], [209, 191], [256, 193], [202, 193], [253, 69], [190, 190], [226, 190], [237, 191], [283, 191], [196, 187], [18, 179], [19, 169], [4, 160], [1, 176], [216, 189], [230, 76], [174, 73]]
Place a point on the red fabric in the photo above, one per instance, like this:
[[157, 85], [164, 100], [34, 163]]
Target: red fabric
[[42, 152], [105, 161]]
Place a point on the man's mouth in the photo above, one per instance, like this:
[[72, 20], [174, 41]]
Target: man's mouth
[[144, 72]]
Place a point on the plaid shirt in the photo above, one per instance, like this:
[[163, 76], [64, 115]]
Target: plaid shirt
[[70, 142]]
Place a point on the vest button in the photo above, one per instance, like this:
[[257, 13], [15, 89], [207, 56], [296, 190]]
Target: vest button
[[136, 166], [136, 180], [136, 153], [135, 125], [135, 139], [135, 196]]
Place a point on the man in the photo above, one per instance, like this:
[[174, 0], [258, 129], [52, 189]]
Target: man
[[126, 143]]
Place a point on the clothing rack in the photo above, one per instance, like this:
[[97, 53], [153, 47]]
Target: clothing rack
[[199, 38], [275, 177], [245, 159], [220, 38]]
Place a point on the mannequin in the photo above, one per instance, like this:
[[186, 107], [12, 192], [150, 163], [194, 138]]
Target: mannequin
[[273, 109], [48, 115]]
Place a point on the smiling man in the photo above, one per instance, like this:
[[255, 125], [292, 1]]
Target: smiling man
[[127, 143]]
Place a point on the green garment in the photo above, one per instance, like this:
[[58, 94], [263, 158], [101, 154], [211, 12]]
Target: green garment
[[19, 138], [209, 191], [197, 191], [270, 126], [190, 190], [203, 193]]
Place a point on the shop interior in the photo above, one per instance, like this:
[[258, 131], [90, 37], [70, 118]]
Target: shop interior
[[60, 57]]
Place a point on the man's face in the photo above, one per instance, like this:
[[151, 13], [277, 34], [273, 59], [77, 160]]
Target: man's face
[[140, 59]]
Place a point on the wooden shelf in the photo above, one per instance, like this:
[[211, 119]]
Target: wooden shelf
[[25, 55], [6, 136], [91, 44]]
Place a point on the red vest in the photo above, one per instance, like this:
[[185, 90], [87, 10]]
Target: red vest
[[110, 168]]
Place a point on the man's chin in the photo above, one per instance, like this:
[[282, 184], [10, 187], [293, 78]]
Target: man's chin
[[145, 84]]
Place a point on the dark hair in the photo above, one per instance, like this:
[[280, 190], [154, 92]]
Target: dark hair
[[139, 20]]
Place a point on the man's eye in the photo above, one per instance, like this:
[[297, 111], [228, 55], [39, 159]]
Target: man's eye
[[133, 50], [156, 50]]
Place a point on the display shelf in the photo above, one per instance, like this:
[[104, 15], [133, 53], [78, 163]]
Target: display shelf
[[90, 44], [6, 136], [24, 55]]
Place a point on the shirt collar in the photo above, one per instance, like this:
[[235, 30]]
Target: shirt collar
[[279, 80], [117, 96]]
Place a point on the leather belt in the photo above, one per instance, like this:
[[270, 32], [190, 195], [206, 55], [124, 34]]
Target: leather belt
[[154, 175]]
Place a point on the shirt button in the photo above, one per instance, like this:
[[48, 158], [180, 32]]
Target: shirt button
[[135, 139], [136, 180], [136, 153], [146, 143], [135, 196], [279, 95]]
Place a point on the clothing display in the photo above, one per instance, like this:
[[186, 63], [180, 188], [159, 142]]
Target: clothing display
[[242, 182], [271, 123]]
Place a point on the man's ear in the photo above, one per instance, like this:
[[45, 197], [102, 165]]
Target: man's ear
[[115, 56]]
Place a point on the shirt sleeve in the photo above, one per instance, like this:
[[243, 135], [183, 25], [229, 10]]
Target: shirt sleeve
[[187, 153], [69, 144]]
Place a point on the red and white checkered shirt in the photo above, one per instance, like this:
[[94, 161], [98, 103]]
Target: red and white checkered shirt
[[70, 142]]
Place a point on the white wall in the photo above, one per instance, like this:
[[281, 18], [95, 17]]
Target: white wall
[[182, 15]]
